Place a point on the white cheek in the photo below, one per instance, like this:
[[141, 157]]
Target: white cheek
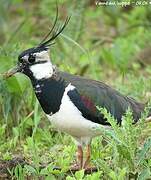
[[41, 71]]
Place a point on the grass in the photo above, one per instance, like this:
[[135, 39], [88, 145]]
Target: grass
[[105, 45]]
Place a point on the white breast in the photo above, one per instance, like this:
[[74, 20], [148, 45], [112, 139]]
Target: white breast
[[70, 120]]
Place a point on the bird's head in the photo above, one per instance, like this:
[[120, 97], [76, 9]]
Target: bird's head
[[35, 62]]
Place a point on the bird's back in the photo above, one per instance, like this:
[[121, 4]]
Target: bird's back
[[95, 93]]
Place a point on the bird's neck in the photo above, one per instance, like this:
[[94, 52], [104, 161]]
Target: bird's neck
[[49, 93]]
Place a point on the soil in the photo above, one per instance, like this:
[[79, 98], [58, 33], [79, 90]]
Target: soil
[[7, 165]]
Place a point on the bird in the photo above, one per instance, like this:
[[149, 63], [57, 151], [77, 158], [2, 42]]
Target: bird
[[70, 101]]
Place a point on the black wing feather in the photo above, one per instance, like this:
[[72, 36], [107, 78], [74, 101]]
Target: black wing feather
[[86, 113]]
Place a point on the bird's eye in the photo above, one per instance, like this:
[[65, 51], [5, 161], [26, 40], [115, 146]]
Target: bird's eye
[[31, 58]]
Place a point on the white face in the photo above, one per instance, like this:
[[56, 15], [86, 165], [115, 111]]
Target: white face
[[42, 71], [43, 68], [39, 64]]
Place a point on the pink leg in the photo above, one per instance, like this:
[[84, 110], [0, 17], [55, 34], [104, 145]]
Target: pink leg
[[80, 156], [88, 154], [79, 164]]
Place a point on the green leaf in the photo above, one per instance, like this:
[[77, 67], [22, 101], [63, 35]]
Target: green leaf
[[79, 174], [145, 174], [113, 175], [30, 169], [13, 85], [50, 177], [142, 154], [70, 178], [94, 176], [122, 174]]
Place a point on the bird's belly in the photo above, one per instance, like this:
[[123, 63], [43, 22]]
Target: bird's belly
[[76, 126], [70, 120]]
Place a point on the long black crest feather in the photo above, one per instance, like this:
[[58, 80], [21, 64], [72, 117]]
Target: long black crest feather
[[51, 30], [55, 33]]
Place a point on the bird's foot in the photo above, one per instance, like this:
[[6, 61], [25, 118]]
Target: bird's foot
[[87, 168], [90, 168], [75, 167]]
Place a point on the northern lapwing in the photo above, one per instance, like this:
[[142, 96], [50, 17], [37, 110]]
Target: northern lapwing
[[70, 101]]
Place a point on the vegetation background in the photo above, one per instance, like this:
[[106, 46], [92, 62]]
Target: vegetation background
[[107, 43]]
